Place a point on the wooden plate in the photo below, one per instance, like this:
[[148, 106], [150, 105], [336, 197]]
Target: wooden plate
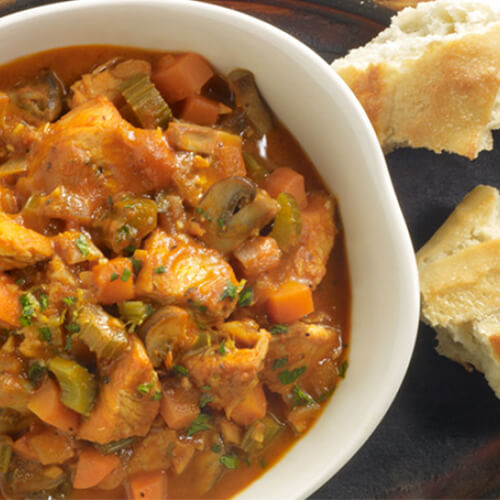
[[441, 437]]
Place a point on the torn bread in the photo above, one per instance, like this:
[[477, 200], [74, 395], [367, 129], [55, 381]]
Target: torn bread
[[432, 78], [459, 269]]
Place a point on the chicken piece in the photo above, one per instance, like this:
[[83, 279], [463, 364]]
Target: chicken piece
[[159, 450], [106, 80], [21, 247], [303, 356], [258, 255], [126, 405], [9, 298], [75, 247], [178, 270], [62, 283], [307, 262], [195, 173], [94, 153], [233, 369], [14, 392]]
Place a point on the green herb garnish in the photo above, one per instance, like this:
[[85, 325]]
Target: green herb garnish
[[288, 377], [222, 347], [126, 275], [69, 301], [82, 244], [204, 214], [73, 327], [159, 270], [45, 333], [36, 372], [245, 297], [181, 370], [215, 448], [278, 329], [157, 396], [229, 461], [229, 292], [136, 264], [114, 276], [300, 397], [279, 363], [205, 398], [343, 368], [145, 388], [44, 301], [200, 423]]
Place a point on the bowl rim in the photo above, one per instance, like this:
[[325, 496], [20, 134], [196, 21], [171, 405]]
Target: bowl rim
[[405, 246]]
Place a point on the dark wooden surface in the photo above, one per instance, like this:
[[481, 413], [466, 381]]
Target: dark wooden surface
[[441, 437]]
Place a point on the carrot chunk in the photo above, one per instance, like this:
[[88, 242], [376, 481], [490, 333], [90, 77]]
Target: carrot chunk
[[9, 298], [114, 280], [93, 467], [181, 78], [287, 180], [46, 405], [252, 407], [148, 486], [199, 109], [290, 302], [51, 447]]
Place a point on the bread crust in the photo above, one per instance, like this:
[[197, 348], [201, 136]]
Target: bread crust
[[441, 100]]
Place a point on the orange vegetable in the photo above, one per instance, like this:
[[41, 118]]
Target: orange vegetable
[[51, 447], [287, 180], [199, 109], [47, 406], [179, 407], [290, 302], [182, 77], [253, 406], [93, 467], [148, 486], [114, 280], [23, 448], [10, 309]]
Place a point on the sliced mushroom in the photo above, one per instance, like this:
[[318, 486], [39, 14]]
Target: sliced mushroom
[[249, 99], [168, 330], [234, 209], [42, 98]]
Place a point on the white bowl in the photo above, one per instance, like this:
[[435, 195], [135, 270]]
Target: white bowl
[[330, 124]]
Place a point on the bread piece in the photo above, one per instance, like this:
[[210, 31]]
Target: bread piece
[[432, 78], [459, 270]]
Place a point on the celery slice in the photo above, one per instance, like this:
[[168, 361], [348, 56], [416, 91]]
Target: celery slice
[[5, 453], [78, 385], [146, 102], [287, 224]]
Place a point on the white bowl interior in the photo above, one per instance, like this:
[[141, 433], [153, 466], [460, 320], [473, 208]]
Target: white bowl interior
[[331, 126]]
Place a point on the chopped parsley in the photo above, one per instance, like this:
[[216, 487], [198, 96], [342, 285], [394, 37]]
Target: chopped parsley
[[204, 214], [28, 305], [343, 369], [222, 347], [44, 301], [199, 424], [36, 372], [279, 363], [69, 341], [221, 222], [114, 276], [159, 269], [126, 275], [245, 298], [196, 304], [69, 301], [130, 249], [24, 321], [205, 387], [73, 327], [181, 370], [82, 244], [300, 397], [20, 282], [136, 264], [262, 463], [215, 448], [145, 388], [157, 396], [45, 333], [288, 377], [230, 461], [205, 398], [278, 329], [229, 292]]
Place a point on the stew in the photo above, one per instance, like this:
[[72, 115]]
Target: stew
[[175, 296]]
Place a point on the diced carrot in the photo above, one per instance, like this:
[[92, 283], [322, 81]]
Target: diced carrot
[[47, 406], [23, 448], [287, 180], [182, 78], [253, 406], [10, 308], [114, 280], [148, 486], [199, 109], [179, 407], [93, 467], [51, 447], [290, 302]]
